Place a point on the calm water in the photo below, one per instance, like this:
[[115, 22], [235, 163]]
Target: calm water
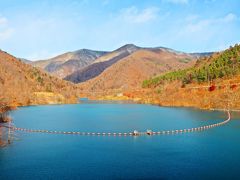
[[202, 155]]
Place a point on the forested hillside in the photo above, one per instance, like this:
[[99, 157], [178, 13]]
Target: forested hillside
[[219, 65], [129, 72], [213, 82]]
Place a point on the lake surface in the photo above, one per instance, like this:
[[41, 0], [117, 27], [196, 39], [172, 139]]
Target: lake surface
[[201, 155]]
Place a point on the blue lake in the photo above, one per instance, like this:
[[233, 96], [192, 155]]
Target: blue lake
[[214, 153]]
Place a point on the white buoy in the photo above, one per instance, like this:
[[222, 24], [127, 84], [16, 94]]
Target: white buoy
[[135, 133], [149, 132]]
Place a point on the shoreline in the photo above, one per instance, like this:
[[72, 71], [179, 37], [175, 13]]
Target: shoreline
[[11, 108], [131, 101], [142, 101]]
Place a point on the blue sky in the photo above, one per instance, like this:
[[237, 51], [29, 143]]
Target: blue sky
[[42, 29]]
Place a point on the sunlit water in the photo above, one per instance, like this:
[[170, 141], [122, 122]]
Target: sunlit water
[[201, 155]]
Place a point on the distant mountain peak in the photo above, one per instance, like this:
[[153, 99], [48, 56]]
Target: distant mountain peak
[[128, 47], [83, 64], [65, 64], [87, 50]]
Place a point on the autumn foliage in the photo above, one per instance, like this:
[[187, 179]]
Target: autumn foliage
[[212, 88], [19, 83]]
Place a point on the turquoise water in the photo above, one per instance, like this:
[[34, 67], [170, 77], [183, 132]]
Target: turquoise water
[[202, 155]]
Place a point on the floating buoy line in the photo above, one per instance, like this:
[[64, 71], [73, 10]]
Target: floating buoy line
[[134, 133]]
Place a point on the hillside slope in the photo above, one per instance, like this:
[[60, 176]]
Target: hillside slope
[[67, 63], [22, 84], [213, 83], [101, 64], [218, 65], [129, 72]]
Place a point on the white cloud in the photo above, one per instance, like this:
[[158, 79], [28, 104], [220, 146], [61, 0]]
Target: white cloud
[[228, 18], [205, 33], [177, 1], [5, 34], [205, 23], [3, 21], [5, 30], [134, 15], [198, 26]]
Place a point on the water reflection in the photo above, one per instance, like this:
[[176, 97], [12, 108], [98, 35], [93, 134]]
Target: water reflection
[[7, 134], [87, 101]]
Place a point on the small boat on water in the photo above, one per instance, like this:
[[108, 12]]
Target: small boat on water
[[149, 132], [136, 133]]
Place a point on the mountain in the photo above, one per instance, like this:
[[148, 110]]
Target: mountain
[[208, 68], [82, 65], [204, 54], [22, 84], [213, 83], [107, 60], [129, 72], [25, 60], [101, 64], [67, 63], [196, 54]]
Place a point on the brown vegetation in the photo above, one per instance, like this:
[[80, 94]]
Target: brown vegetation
[[218, 96], [204, 96], [212, 83], [67, 63], [19, 83], [128, 73]]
